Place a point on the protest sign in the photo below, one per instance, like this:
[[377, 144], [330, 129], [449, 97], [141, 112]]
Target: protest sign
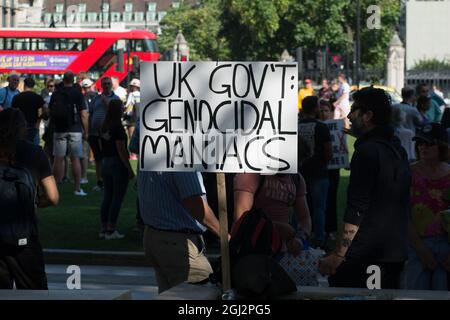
[[338, 144], [219, 117]]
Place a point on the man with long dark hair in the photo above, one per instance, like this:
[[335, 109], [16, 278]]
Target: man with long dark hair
[[376, 217]]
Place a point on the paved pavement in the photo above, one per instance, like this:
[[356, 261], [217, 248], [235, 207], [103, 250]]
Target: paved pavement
[[139, 280]]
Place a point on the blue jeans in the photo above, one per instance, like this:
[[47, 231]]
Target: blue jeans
[[417, 277], [33, 136], [317, 192], [115, 184]]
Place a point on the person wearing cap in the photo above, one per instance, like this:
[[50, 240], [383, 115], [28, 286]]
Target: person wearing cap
[[307, 91], [9, 92], [131, 113], [89, 90], [428, 264], [375, 226]]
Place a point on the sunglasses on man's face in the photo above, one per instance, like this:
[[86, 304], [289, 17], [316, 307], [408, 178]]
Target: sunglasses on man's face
[[50, 86]]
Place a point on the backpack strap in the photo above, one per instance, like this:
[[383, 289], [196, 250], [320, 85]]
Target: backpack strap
[[6, 97]]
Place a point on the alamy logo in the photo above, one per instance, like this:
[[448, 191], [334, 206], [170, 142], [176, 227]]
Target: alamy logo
[[374, 280], [71, 14], [374, 21], [74, 280]]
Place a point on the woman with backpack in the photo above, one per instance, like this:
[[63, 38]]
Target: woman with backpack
[[23, 168], [278, 195], [116, 169]]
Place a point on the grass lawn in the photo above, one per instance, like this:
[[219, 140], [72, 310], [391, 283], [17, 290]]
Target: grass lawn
[[75, 222], [343, 184]]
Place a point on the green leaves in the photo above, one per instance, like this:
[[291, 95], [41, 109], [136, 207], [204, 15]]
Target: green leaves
[[200, 26], [262, 29]]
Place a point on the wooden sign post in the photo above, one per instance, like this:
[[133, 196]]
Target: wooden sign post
[[223, 220]]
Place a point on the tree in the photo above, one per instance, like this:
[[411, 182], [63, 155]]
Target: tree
[[200, 26], [375, 42], [431, 65], [262, 29], [251, 28]]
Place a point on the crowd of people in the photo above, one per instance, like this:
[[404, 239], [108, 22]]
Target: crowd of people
[[396, 212]]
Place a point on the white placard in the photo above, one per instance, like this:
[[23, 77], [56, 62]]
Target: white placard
[[219, 117], [338, 143]]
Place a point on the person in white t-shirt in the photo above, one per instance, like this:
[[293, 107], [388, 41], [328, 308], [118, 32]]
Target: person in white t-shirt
[[119, 91], [342, 104], [131, 113]]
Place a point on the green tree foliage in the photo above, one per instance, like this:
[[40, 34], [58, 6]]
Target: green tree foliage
[[253, 28], [200, 26], [262, 29], [375, 42], [431, 65]]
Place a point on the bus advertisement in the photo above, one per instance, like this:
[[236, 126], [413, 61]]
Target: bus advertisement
[[97, 52]]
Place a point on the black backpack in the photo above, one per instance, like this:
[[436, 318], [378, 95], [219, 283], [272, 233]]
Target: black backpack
[[62, 110], [254, 233], [18, 205], [255, 238]]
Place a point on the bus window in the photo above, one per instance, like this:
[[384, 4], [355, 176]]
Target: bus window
[[137, 46], [69, 45], [144, 45], [50, 44], [150, 45], [22, 44], [120, 44], [39, 44]]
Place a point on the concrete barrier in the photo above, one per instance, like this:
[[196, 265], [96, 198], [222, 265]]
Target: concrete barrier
[[192, 292], [187, 291], [65, 295]]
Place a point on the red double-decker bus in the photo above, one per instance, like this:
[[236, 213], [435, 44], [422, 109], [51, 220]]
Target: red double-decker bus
[[54, 51]]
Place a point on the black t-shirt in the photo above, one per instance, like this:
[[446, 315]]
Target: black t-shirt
[[29, 103], [33, 158], [109, 138], [316, 134], [76, 97]]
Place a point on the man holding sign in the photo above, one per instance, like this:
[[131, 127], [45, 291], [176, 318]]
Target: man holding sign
[[174, 209]]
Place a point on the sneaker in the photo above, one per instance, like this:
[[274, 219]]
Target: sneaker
[[97, 189], [80, 193], [84, 181], [113, 236], [101, 235]]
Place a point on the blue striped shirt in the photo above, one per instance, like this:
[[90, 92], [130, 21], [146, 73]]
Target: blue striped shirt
[[161, 195]]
